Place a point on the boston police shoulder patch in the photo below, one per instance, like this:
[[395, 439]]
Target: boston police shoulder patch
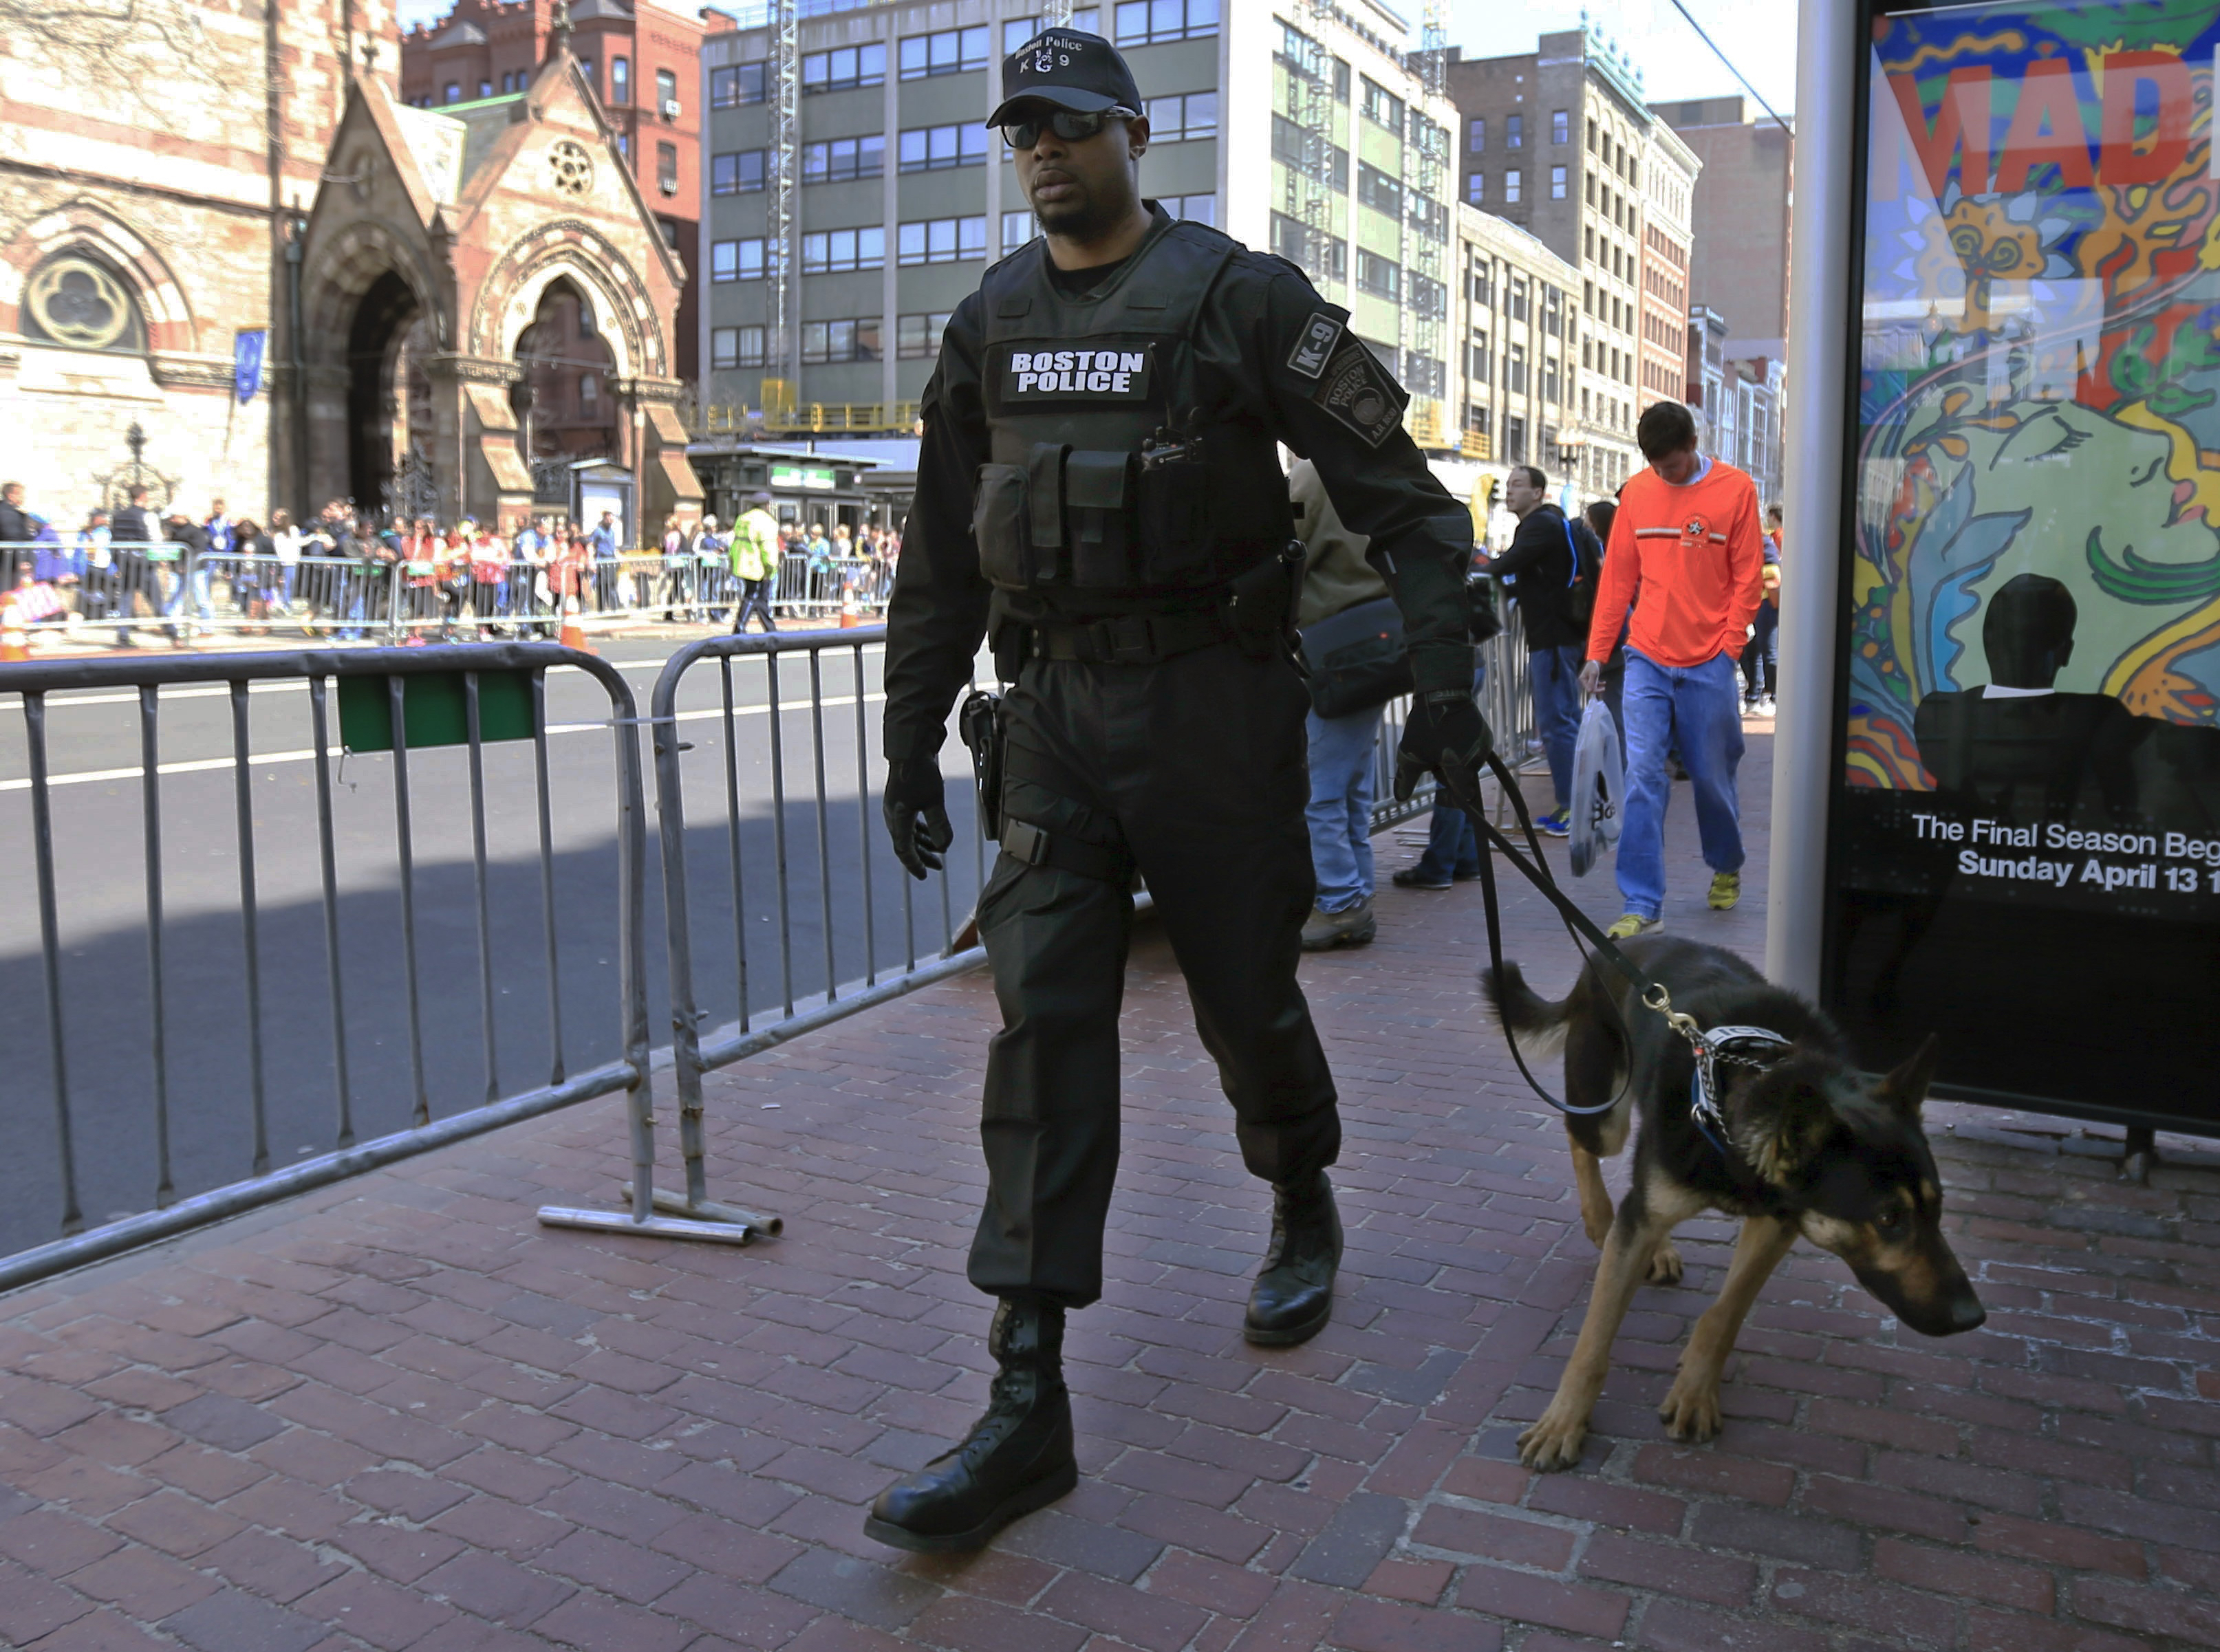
[[1359, 392], [1314, 348]]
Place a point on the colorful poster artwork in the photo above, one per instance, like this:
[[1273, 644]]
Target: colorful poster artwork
[[2034, 610]]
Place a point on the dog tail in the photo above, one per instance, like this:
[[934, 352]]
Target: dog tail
[[1518, 1008]]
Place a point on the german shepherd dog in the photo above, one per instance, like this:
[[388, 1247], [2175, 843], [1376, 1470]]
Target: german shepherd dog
[[1811, 1148]]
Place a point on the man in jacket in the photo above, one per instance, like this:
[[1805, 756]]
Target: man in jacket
[[14, 522], [755, 562], [1546, 554], [1099, 494], [1685, 538], [1337, 578]]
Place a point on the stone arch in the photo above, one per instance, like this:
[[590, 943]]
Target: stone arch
[[509, 297], [340, 271], [169, 323]]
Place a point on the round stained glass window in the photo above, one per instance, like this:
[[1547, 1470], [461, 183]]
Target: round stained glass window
[[573, 166], [73, 300]]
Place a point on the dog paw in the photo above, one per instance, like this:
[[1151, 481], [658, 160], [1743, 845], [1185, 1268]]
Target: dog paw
[[1553, 1441], [1691, 1411], [1665, 1264]]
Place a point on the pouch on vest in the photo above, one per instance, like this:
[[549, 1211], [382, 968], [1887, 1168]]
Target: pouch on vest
[[1175, 518], [998, 522], [1097, 495]]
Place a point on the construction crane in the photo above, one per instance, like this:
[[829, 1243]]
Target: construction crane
[[781, 386]]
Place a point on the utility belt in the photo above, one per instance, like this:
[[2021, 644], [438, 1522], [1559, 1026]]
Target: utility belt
[[1255, 611]]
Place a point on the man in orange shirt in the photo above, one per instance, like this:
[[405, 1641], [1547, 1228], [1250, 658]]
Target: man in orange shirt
[[1686, 538]]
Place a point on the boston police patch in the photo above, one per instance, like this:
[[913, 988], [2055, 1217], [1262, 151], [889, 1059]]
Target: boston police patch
[[1311, 350], [1028, 372], [1356, 389]]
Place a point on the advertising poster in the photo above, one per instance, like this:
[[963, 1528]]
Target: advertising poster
[[2026, 833]]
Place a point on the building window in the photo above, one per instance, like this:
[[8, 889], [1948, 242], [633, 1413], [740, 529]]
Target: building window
[[1326, 256], [736, 347], [1381, 277], [843, 160], [666, 168], [930, 149], [1016, 31], [1429, 218], [1479, 365], [1517, 303], [1185, 115], [1195, 209], [1514, 438], [1475, 135], [1429, 299], [620, 80], [74, 299], [1551, 383], [1340, 81], [917, 338], [944, 52], [1557, 183], [1514, 369], [838, 252], [666, 91], [845, 69], [1423, 375], [1145, 23], [742, 83], [942, 241], [589, 390], [1382, 106], [1019, 227], [1560, 127], [1512, 181], [825, 342], [1375, 189], [1514, 131], [741, 173], [1475, 187], [1553, 311], [454, 93], [588, 68], [742, 260]]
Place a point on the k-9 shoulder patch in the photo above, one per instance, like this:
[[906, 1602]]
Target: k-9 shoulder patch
[[1315, 347], [1357, 390], [1031, 373]]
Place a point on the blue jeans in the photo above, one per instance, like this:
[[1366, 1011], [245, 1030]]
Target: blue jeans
[[1340, 812], [1452, 840], [1697, 710], [1555, 676], [1762, 650]]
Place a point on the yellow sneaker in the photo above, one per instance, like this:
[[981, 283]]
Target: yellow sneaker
[[1727, 889], [1632, 924]]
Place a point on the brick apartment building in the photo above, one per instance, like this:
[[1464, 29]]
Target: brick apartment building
[[644, 63]]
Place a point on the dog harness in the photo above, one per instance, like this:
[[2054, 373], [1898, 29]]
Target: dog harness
[[1741, 1046]]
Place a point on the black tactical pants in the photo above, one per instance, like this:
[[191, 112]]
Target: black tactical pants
[[1195, 765]]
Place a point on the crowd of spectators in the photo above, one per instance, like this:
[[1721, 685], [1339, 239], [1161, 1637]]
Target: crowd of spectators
[[346, 574]]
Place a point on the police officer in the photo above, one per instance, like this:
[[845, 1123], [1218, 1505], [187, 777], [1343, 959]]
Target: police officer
[[1100, 493]]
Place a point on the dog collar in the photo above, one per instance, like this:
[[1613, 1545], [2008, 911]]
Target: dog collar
[[1742, 1046]]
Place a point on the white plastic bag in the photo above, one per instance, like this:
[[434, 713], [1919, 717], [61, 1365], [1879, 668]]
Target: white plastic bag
[[1599, 788]]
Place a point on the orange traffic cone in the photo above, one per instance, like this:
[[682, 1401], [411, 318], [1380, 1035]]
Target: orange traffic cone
[[851, 614], [15, 641], [573, 634]]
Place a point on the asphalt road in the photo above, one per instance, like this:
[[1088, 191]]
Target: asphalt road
[[841, 886]]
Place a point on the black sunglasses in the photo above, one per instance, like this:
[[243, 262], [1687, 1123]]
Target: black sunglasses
[[1068, 124]]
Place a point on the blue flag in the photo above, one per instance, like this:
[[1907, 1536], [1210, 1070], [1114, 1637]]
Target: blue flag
[[246, 352]]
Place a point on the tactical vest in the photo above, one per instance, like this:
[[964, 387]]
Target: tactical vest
[[1105, 477]]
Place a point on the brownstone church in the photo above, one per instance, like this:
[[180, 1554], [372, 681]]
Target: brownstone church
[[234, 266]]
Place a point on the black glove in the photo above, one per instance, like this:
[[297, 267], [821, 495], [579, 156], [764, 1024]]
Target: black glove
[[917, 818], [1446, 736]]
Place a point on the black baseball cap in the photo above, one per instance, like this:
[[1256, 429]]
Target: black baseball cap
[[1069, 70]]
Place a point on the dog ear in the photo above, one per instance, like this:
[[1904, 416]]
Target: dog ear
[[1906, 1089], [1782, 1125]]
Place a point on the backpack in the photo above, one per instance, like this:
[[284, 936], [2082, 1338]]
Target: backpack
[[1587, 576]]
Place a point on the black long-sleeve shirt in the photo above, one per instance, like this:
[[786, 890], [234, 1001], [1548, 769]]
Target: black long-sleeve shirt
[[1539, 567], [1257, 315]]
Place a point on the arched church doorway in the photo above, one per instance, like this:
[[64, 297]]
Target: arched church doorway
[[388, 403], [564, 405]]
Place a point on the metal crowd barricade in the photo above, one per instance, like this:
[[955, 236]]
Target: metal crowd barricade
[[798, 819], [813, 588], [416, 687], [77, 584]]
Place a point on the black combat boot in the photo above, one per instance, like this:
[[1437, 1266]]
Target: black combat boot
[[1293, 1297], [1017, 1458]]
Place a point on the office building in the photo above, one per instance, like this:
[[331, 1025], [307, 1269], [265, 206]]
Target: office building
[[1516, 319], [1560, 141], [853, 198]]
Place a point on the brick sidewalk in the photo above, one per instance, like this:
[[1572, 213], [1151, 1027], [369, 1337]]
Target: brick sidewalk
[[396, 1414]]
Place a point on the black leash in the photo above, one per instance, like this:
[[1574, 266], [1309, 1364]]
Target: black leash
[[1577, 924]]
